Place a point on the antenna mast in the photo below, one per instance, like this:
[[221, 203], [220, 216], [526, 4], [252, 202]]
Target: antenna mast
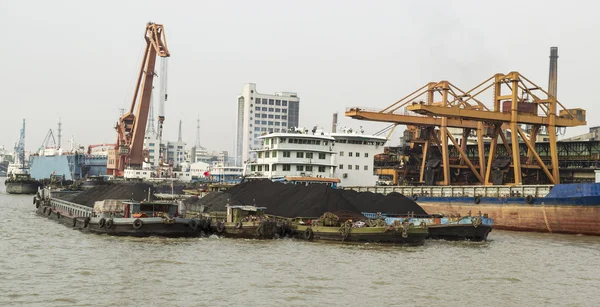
[[59, 132]]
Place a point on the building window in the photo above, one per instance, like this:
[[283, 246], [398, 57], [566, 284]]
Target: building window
[[264, 122], [283, 123], [358, 154], [274, 168], [322, 155], [270, 123], [260, 168], [284, 110], [267, 154], [284, 117], [366, 167], [274, 154], [271, 109], [271, 102], [253, 168], [284, 103], [300, 168], [349, 167], [257, 108], [277, 110], [257, 100], [299, 154], [277, 116], [286, 154], [267, 167], [309, 155], [366, 154], [271, 116], [257, 122], [309, 168], [264, 108], [321, 169], [341, 153], [260, 154], [286, 167], [350, 154], [277, 102], [356, 167], [263, 129], [281, 140], [256, 129]]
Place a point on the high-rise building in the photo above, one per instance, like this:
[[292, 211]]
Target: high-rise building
[[261, 114]]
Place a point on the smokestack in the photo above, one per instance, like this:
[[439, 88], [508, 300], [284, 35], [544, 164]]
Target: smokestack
[[553, 76], [334, 123]]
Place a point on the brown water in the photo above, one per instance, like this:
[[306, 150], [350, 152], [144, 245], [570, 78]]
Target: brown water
[[46, 264]]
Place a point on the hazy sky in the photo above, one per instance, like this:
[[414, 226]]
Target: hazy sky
[[78, 59]]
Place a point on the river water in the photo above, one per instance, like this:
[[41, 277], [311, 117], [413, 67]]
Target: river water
[[43, 263]]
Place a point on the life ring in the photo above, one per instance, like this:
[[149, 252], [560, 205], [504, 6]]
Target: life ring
[[102, 222], [220, 227], [193, 224], [137, 224], [49, 211], [238, 225], [74, 222], [529, 199], [477, 199], [308, 233], [86, 222], [415, 197], [110, 223]]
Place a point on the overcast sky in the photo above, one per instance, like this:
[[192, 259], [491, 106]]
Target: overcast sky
[[78, 60]]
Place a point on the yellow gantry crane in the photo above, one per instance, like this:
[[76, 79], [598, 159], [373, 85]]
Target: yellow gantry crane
[[437, 106]]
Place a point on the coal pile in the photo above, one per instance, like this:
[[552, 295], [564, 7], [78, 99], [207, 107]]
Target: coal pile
[[123, 191], [307, 201]]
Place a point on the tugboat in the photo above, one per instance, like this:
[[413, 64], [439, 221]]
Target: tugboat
[[250, 222], [451, 228], [354, 228], [121, 218], [21, 183]]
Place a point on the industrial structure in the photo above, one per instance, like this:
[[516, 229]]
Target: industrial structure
[[131, 127], [506, 151]]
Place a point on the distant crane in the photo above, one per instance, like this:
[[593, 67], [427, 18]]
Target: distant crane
[[131, 126], [20, 147]]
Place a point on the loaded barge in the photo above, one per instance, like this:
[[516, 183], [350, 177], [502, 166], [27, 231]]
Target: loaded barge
[[119, 217], [561, 208]]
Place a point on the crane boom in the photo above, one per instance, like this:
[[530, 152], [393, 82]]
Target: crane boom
[[131, 126]]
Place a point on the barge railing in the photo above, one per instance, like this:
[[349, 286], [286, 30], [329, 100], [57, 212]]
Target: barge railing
[[537, 191]]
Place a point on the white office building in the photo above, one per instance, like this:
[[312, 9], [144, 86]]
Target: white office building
[[174, 151], [260, 114], [355, 157]]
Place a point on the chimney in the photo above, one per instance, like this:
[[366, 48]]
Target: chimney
[[334, 123], [553, 76]]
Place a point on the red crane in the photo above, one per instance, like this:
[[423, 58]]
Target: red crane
[[131, 126]]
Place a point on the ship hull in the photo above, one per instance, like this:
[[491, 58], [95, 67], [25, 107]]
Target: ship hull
[[414, 236], [22, 187], [520, 216], [459, 232]]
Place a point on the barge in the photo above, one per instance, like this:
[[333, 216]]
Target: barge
[[250, 222], [561, 208], [21, 184], [330, 227], [120, 218], [452, 228]]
